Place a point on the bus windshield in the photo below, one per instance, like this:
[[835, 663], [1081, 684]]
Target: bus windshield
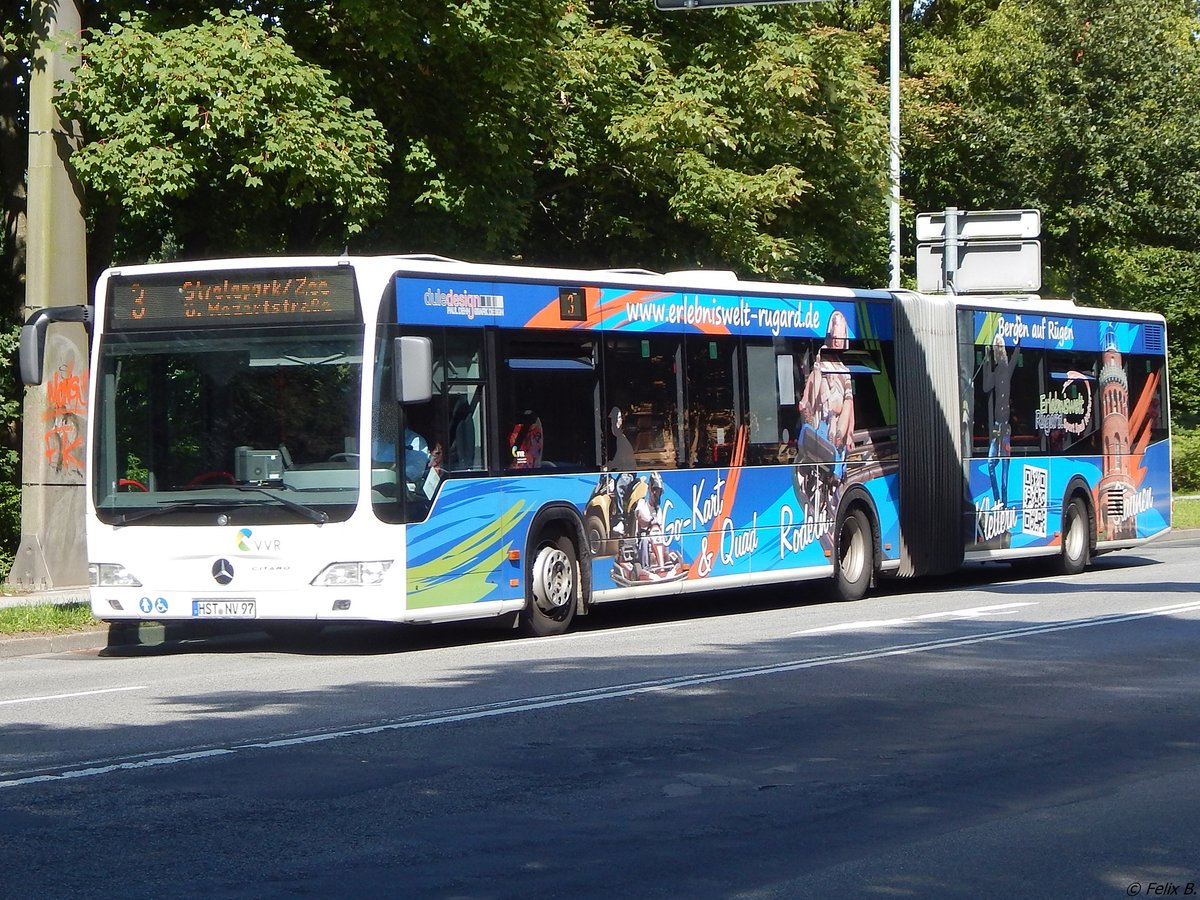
[[250, 424]]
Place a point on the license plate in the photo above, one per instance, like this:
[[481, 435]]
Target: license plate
[[224, 609]]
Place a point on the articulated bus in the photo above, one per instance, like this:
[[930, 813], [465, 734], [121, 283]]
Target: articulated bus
[[415, 439]]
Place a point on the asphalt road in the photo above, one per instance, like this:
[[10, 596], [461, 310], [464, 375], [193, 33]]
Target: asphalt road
[[979, 736]]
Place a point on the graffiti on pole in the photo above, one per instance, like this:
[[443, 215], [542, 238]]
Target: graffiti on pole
[[65, 419]]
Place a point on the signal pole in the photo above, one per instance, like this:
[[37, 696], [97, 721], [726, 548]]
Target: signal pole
[[52, 554]]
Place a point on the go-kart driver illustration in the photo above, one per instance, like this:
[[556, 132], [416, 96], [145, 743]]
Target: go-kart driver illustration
[[827, 404]]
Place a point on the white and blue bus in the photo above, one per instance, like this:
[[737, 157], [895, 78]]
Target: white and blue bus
[[414, 439]]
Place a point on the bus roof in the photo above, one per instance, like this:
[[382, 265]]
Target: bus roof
[[714, 280], [379, 269]]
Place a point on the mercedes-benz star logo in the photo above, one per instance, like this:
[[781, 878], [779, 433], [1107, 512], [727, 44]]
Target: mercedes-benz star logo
[[222, 571]]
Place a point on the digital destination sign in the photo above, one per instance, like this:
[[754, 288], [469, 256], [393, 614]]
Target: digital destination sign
[[241, 297]]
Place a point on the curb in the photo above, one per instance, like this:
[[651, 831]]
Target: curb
[[54, 643]]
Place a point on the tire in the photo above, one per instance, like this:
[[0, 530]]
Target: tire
[[597, 539], [552, 588], [855, 556], [1076, 538]]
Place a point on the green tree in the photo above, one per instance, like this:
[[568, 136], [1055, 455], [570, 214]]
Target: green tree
[[1077, 108], [16, 31], [466, 93], [605, 132], [753, 139], [16, 36], [220, 137]]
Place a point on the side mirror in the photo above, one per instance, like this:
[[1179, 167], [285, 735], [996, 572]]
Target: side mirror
[[413, 368], [32, 349]]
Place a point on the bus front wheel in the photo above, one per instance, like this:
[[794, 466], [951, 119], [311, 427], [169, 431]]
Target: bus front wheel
[[855, 556], [553, 587]]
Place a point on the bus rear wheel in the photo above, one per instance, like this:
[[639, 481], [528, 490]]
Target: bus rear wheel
[[1075, 538], [553, 588], [855, 556]]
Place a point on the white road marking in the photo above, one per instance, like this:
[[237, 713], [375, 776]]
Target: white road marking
[[592, 695], [117, 767], [136, 687], [587, 635], [975, 612]]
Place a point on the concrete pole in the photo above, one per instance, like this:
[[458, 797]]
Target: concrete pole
[[894, 141], [52, 554]]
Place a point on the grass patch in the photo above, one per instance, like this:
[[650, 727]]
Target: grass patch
[[46, 618], [1186, 514]]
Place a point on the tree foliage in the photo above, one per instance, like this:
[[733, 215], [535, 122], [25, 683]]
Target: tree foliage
[[586, 133], [1076, 108], [465, 93], [220, 130], [604, 133], [750, 139]]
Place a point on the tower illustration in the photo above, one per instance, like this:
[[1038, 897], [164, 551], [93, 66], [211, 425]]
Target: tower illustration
[[1116, 486]]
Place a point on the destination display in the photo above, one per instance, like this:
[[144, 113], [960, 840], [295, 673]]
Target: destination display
[[244, 297]]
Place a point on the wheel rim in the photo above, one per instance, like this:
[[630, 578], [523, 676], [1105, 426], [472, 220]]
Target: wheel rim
[[853, 551], [1075, 536], [553, 580]]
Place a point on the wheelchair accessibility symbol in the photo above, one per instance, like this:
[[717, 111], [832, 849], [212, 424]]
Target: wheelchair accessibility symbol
[[160, 605]]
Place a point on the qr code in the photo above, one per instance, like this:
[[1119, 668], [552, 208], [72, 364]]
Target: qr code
[[1034, 501]]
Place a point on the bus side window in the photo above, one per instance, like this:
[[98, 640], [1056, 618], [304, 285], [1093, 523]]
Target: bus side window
[[546, 399], [774, 380], [465, 449], [711, 426], [1027, 439], [458, 378], [644, 381]]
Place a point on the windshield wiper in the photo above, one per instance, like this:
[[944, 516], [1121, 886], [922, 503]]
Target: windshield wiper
[[318, 516], [169, 506]]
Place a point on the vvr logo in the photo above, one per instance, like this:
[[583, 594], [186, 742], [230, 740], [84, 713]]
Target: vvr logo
[[246, 543]]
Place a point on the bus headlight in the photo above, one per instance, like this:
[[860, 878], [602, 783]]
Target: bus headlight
[[353, 574], [111, 575]]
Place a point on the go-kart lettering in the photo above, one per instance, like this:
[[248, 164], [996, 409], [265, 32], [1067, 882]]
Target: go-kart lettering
[[672, 528], [704, 562], [734, 546], [703, 513]]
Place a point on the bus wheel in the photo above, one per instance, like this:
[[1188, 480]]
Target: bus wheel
[[1075, 539], [855, 556], [553, 588]]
